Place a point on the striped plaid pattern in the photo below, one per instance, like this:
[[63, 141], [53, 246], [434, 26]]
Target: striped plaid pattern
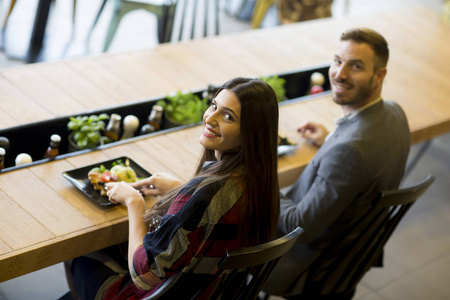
[[202, 221]]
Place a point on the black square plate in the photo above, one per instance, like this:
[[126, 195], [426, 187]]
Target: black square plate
[[79, 177]]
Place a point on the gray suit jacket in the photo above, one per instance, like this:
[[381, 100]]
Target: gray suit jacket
[[366, 154]]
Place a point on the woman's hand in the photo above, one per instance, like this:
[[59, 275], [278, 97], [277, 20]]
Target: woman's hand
[[123, 193], [158, 184], [314, 132]]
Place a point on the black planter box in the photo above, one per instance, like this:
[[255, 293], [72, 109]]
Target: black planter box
[[34, 138]]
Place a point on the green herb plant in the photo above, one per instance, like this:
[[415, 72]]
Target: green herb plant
[[184, 108], [88, 130], [277, 85]]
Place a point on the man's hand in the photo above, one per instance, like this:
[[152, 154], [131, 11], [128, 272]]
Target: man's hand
[[314, 132]]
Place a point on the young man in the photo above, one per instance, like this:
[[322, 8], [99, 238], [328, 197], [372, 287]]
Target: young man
[[365, 154]]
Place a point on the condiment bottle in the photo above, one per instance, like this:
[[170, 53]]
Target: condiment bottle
[[53, 149], [2, 158], [130, 125], [23, 159], [147, 128], [316, 83], [210, 92], [113, 128], [317, 78], [155, 117], [4, 143]]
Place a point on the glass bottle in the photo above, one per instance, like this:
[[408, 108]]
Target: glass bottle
[[4, 143], [2, 158], [53, 149], [147, 128], [155, 117], [210, 92], [113, 128]]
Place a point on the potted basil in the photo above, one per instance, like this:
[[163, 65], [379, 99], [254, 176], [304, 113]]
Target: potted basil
[[183, 108], [277, 85], [87, 132]]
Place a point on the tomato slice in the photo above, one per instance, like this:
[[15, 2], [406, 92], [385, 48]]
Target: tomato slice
[[106, 176]]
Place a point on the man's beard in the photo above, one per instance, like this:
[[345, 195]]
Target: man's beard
[[361, 94]]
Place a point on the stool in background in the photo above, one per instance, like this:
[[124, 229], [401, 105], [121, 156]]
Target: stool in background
[[169, 13]]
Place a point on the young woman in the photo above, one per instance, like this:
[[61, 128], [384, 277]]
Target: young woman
[[232, 202]]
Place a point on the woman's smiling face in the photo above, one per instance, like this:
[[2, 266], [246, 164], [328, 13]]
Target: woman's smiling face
[[221, 124]]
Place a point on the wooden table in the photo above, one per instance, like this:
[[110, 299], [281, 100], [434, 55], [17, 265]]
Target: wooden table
[[44, 220]]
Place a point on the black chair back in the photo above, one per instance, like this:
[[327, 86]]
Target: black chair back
[[240, 275], [346, 264]]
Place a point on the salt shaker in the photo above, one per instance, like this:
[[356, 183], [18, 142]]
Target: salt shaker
[[130, 125]]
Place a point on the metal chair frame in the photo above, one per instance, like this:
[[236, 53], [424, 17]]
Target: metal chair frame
[[165, 11]]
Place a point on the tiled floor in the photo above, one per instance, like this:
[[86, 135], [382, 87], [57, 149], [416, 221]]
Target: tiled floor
[[417, 259]]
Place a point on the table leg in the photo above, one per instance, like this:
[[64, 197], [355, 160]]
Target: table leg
[[37, 35], [414, 160]]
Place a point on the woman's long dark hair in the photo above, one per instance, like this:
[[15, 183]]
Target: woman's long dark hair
[[255, 161]]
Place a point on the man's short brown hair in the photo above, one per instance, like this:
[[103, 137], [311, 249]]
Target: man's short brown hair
[[376, 41]]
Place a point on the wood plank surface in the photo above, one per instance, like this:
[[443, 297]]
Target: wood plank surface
[[42, 202], [143, 79], [16, 237], [17, 107], [77, 86], [115, 87], [41, 92]]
